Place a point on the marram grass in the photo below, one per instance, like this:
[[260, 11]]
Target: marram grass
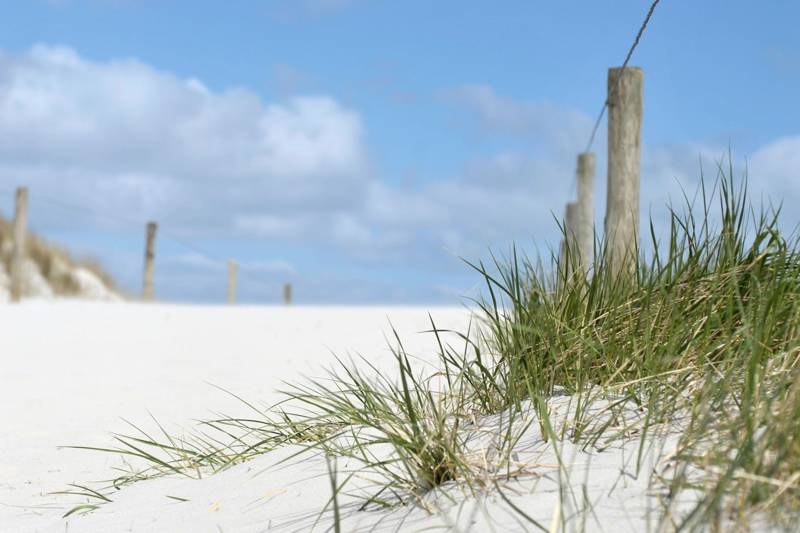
[[701, 335]]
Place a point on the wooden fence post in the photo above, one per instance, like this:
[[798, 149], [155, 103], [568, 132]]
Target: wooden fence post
[[20, 236], [232, 269], [287, 294], [568, 244], [149, 262], [585, 223], [624, 148]]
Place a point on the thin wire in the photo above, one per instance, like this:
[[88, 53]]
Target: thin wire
[[83, 209], [619, 76], [190, 246], [115, 218]]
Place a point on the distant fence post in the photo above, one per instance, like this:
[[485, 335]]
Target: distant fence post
[[232, 268], [20, 236], [149, 259], [287, 294], [624, 147], [585, 224], [568, 244]]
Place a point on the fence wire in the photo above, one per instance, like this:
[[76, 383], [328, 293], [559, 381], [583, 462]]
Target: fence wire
[[613, 88]]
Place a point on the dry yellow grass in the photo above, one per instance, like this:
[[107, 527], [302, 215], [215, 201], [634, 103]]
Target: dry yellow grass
[[55, 263]]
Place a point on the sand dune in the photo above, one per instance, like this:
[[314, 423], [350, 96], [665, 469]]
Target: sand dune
[[73, 370], [49, 271]]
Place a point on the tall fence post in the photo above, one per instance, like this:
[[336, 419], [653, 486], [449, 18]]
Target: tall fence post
[[585, 223], [624, 147], [232, 269], [20, 236], [287, 294], [148, 293]]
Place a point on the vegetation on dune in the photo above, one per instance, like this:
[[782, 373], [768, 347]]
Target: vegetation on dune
[[705, 332], [702, 337], [55, 264]]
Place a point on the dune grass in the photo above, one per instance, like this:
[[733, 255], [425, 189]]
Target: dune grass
[[55, 263], [701, 338], [705, 333]]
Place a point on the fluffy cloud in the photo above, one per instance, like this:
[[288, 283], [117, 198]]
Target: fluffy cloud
[[122, 135], [776, 167], [553, 126], [669, 172]]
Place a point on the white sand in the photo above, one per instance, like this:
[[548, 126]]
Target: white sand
[[71, 370]]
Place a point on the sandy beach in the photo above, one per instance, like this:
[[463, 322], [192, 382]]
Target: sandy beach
[[72, 371]]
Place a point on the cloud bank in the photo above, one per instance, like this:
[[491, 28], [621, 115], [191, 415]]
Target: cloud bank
[[122, 135]]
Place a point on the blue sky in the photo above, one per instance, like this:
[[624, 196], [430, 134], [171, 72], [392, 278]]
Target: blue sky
[[358, 148]]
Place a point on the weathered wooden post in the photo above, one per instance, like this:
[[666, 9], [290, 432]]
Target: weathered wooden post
[[20, 236], [149, 262], [624, 147], [232, 269], [287, 294], [585, 223], [568, 244]]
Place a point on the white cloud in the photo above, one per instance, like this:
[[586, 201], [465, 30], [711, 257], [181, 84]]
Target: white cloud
[[558, 127], [490, 202], [772, 171], [354, 231], [272, 226], [125, 136], [277, 266], [776, 167], [510, 197], [197, 260], [348, 229]]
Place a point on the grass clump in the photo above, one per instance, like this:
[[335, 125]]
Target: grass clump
[[703, 333], [406, 432]]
